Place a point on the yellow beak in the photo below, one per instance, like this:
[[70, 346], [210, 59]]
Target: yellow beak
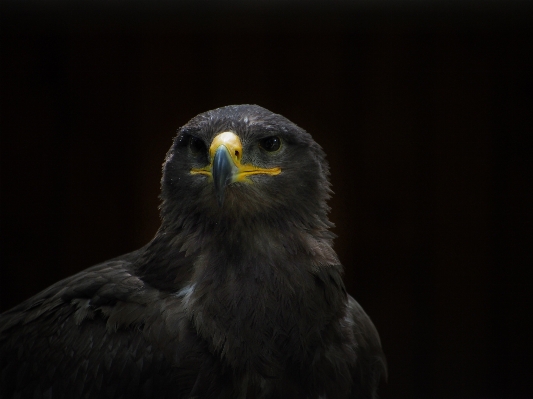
[[225, 167]]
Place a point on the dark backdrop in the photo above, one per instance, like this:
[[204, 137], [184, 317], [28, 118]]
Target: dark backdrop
[[425, 110]]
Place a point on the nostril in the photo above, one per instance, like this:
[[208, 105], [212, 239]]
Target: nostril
[[237, 153]]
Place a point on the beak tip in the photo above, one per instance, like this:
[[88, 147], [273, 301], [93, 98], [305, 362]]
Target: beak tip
[[222, 172]]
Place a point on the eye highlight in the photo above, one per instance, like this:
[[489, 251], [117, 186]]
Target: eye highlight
[[270, 144], [195, 145]]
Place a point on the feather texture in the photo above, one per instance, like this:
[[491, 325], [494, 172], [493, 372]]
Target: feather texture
[[240, 301]]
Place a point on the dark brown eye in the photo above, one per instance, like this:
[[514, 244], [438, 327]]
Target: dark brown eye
[[270, 144], [196, 145]]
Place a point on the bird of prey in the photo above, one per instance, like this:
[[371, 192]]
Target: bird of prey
[[238, 295]]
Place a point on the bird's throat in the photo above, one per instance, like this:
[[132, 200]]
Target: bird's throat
[[251, 313]]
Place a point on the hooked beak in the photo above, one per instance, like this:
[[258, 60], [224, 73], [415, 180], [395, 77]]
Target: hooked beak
[[226, 168]]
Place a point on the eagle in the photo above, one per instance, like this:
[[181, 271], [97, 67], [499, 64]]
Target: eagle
[[238, 295]]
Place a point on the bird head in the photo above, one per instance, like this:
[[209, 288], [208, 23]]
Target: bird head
[[244, 162]]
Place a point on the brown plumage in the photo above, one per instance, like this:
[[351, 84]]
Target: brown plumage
[[239, 294]]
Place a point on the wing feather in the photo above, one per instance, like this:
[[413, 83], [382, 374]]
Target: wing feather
[[371, 362], [101, 333]]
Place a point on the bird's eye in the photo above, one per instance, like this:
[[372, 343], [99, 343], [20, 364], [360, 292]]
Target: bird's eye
[[196, 145], [270, 144]]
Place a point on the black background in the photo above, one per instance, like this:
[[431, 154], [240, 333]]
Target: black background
[[425, 110]]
